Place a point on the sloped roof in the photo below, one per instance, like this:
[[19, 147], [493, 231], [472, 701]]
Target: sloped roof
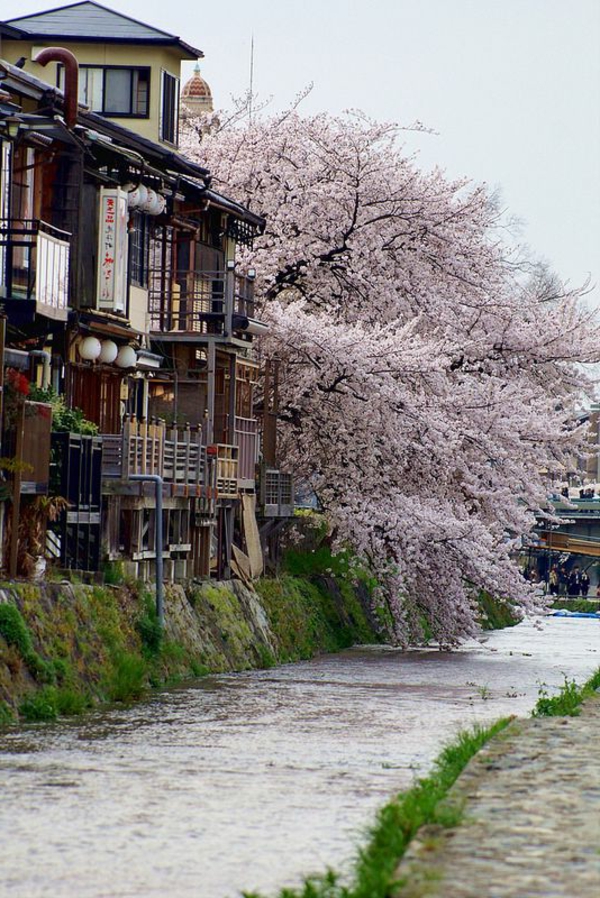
[[89, 21]]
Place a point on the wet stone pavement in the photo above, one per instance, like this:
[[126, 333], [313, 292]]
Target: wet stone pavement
[[531, 818]]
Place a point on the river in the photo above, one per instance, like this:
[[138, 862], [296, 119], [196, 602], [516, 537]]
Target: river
[[252, 780]]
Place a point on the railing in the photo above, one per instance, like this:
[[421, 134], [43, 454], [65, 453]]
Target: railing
[[198, 302], [187, 301], [227, 471], [178, 455], [276, 493], [243, 302], [34, 262], [245, 437]]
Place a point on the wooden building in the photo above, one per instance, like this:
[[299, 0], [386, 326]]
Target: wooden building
[[122, 297]]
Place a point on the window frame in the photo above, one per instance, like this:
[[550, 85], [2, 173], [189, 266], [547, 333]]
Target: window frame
[[139, 250], [172, 135], [146, 69]]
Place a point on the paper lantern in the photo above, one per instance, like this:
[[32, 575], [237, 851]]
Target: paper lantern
[[150, 200], [109, 352], [89, 348], [137, 197], [126, 357]]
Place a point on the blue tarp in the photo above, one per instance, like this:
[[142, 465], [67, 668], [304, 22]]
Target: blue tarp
[[562, 613]]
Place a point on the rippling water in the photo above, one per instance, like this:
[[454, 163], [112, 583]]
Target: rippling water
[[249, 781]]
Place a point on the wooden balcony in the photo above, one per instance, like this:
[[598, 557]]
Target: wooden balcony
[[34, 270], [175, 454], [179, 455], [186, 304]]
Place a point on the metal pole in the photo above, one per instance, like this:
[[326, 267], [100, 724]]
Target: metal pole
[[158, 541]]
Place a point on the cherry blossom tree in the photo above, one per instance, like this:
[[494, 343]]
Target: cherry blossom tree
[[431, 375]]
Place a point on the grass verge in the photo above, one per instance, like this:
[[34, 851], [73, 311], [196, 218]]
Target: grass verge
[[398, 821], [568, 701]]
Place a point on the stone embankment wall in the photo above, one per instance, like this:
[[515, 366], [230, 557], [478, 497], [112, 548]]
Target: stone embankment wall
[[66, 646]]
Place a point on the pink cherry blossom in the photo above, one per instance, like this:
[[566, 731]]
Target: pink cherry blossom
[[431, 373]]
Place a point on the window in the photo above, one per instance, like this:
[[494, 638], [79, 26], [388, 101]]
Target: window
[[169, 121], [140, 249], [111, 90]]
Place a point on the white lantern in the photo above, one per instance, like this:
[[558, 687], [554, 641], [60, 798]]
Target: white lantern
[[137, 197], [160, 204], [109, 352], [126, 357], [150, 200], [130, 189], [156, 203], [89, 348]]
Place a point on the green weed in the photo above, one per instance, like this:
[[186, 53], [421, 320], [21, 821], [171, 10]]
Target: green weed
[[149, 629], [14, 629], [197, 669], [6, 714], [16, 634], [265, 656], [52, 702], [40, 705], [127, 679], [114, 573], [72, 702], [568, 701]]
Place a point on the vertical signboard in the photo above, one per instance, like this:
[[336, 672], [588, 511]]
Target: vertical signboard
[[112, 250]]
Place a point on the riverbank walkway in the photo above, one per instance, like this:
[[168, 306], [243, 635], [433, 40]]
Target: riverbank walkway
[[531, 818]]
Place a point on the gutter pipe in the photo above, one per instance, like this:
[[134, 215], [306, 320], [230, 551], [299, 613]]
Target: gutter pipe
[[45, 357], [157, 480], [71, 93]]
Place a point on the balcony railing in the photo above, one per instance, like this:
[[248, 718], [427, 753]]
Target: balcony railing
[[198, 302], [243, 435], [244, 296], [34, 265], [187, 301], [227, 470], [176, 455]]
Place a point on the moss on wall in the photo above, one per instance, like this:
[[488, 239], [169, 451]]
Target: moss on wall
[[495, 614], [65, 646]]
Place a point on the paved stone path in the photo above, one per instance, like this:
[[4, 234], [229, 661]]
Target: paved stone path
[[531, 824]]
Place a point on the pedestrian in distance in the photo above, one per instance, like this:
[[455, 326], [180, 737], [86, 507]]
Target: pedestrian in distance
[[584, 584], [563, 581], [575, 581]]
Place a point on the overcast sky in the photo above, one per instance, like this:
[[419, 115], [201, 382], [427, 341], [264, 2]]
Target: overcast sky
[[511, 88]]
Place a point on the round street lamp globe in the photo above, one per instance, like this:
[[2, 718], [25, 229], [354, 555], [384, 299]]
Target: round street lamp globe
[[126, 357], [89, 348], [109, 352]]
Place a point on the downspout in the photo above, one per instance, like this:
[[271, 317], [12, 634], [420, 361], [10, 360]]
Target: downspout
[[45, 356], [157, 480], [71, 92], [73, 211]]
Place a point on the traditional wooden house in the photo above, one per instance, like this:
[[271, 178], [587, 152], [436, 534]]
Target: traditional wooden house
[[121, 292]]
